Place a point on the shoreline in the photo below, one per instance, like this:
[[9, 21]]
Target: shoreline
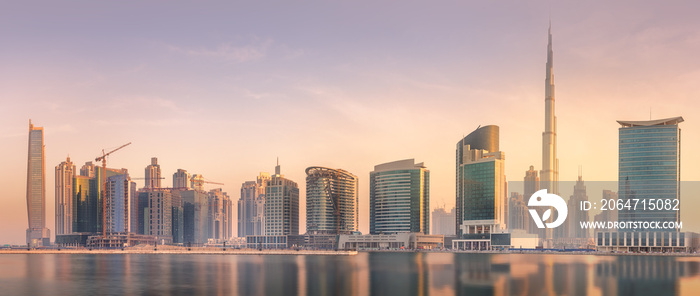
[[219, 251], [181, 252]]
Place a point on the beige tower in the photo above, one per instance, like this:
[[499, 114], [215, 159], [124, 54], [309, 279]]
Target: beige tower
[[549, 175], [37, 233]]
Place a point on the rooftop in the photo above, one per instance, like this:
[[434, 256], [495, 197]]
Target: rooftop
[[666, 121]]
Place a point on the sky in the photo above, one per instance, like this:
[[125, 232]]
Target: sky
[[224, 88]]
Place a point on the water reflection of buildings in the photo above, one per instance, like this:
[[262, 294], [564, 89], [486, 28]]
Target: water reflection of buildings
[[515, 274], [643, 275], [394, 274], [376, 273]]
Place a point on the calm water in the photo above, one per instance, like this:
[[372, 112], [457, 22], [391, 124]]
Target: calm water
[[364, 274]]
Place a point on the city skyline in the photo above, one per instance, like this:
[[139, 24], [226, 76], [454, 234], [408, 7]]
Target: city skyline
[[611, 65]]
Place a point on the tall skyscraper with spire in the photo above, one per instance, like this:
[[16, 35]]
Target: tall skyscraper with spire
[[549, 175], [37, 233]]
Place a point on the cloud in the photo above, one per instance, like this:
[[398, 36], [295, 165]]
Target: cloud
[[229, 52]]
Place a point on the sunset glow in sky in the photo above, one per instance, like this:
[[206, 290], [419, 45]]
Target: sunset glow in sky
[[224, 89]]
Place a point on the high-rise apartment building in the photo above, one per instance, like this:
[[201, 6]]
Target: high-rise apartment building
[[610, 215], [575, 215], [37, 233], [532, 182], [220, 215], [251, 206], [159, 210], [399, 197], [195, 207], [649, 168], [281, 205], [443, 221], [119, 189], [153, 174], [88, 170], [65, 172], [332, 199], [518, 215], [181, 179]]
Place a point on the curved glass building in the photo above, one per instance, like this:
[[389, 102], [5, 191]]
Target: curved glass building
[[332, 201], [480, 183], [399, 198]]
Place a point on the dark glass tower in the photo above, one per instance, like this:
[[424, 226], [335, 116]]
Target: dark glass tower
[[649, 167]]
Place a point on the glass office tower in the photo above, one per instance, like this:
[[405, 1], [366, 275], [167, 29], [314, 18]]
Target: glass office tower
[[649, 167], [399, 198]]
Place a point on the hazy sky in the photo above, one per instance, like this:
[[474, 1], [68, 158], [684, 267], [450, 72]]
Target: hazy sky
[[223, 89]]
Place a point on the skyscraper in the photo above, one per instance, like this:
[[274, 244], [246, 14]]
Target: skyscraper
[[532, 182], [481, 187], [399, 197], [220, 215], [576, 215], [479, 160], [443, 221], [195, 207], [158, 213], [281, 205], [87, 200], [153, 174], [518, 215], [649, 167], [181, 179], [549, 176], [118, 198], [251, 206], [532, 185], [332, 199], [65, 172], [37, 233], [88, 169]]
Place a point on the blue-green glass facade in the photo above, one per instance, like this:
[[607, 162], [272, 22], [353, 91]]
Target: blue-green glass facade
[[400, 201], [649, 168], [478, 196]]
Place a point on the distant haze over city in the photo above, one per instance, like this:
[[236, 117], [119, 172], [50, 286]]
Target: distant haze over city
[[223, 89]]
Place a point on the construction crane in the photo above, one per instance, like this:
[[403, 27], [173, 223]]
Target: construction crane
[[103, 158]]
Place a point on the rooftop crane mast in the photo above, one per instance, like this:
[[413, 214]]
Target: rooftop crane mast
[[103, 158]]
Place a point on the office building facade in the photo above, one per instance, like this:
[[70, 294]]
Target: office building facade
[[399, 197], [649, 168], [481, 187]]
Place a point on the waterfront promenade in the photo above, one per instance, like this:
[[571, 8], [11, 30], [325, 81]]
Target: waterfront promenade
[[182, 251]]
